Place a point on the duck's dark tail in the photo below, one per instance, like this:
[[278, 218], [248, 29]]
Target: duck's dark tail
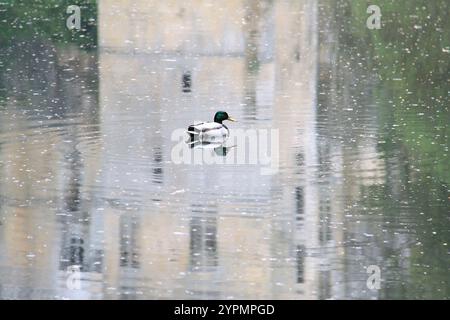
[[193, 133], [193, 137]]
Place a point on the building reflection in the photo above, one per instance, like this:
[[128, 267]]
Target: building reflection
[[203, 239], [187, 81], [253, 70], [129, 246], [46, 85], [203, 277], [72, 218]]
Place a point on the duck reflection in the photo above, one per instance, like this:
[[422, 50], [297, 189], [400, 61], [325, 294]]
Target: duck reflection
[[219, 148], [222, 151]]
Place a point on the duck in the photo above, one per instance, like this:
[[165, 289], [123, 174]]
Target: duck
[[210, 132]]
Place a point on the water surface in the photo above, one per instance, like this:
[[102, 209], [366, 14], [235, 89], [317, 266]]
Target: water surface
[[88, 180]]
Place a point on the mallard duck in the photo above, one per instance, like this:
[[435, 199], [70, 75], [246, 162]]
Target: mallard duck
[[210, 132]]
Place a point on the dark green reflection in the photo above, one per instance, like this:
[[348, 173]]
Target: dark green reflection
[[409, 61], [46, 19]]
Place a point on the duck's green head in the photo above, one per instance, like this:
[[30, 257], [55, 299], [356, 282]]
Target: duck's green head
[[221, 116]]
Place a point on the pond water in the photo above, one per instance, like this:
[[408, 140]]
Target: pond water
[[88, 180]]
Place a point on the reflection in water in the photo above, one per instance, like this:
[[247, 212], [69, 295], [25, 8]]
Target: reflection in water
[[87, 178], [223, 151], [187, 81], [129, 246], [219, 148], [300, 263], [203, 243], [157, 163]]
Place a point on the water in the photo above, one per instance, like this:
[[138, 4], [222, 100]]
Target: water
[[88, 180]]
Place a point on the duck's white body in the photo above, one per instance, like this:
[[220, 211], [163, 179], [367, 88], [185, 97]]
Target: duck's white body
[[211, 132]]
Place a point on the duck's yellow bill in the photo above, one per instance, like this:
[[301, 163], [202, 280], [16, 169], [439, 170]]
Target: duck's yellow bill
[[231, 119]]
